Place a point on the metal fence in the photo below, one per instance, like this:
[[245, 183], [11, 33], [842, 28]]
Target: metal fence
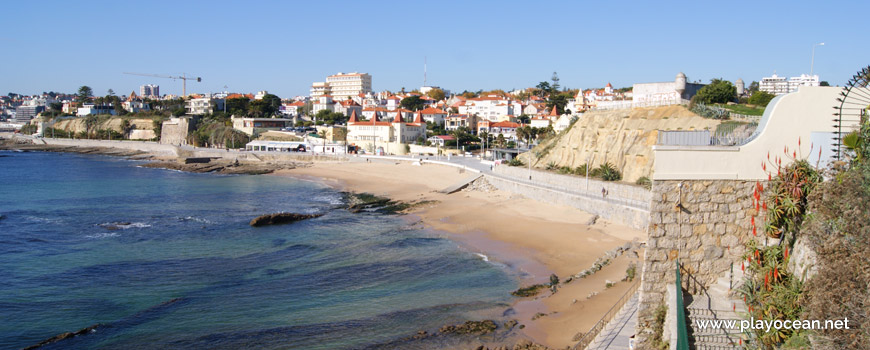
[[599, 326], [682, 329], [726, 135]]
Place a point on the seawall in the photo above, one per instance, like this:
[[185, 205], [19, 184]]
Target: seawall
[[621, 203]]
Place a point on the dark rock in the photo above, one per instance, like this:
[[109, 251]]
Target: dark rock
[[510, 324], [470, 327], [281, 218], [64, 336], [592, 220]]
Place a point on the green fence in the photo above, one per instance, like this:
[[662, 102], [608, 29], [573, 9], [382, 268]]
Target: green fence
[[682, 332]]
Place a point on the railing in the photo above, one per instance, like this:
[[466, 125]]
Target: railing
[[599, 326], [682, 330], [727, 136]]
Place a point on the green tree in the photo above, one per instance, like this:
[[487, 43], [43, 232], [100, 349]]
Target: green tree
[[265, 107], [753, 86], [238, 105], [824, 83], [554, 87], [524, 119], [85, 93], [436, 93], [718, 91], [760, 98], [413, 103], [558, 99], [111, 92], [543, 87]]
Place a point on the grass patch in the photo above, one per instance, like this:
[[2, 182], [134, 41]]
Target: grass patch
[[742, 109]]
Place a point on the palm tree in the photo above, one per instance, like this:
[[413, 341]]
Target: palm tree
[[322, 135]]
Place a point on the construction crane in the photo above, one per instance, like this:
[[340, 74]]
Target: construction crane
[[184, 78]]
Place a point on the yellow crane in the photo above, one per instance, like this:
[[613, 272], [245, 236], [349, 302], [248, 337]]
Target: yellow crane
[[184, 78]]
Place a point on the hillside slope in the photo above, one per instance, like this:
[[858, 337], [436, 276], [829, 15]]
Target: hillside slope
[[621, 137]]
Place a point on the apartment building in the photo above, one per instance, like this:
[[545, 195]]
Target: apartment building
[[342, 86]]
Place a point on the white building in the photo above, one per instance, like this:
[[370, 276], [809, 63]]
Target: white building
[[343, 85], [149, 90], [388, 137], [90, 108], [490, 107], [204, 105], [779, 85], [664, 93]]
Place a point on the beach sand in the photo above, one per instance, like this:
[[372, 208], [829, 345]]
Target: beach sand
[[534, 239]]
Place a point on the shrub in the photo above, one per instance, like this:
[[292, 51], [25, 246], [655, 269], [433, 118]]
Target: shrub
[[580, 170], [551, 166], [565, 170], [644, 181], [609, 173], [516, 162]]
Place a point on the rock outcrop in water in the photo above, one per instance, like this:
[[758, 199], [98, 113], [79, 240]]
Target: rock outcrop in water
[[64, 336], [281, 218]]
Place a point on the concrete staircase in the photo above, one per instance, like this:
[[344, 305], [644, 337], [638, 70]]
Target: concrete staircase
[[720, 301]]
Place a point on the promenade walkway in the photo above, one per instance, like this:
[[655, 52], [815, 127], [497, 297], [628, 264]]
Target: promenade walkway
[[618, 332]]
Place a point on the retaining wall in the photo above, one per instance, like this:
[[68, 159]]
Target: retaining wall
[[707, 235], [607, 208], [633, 195]]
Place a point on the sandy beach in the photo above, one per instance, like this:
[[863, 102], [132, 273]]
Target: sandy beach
[[532, 238]]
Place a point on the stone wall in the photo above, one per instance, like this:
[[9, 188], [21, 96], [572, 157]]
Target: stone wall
[[175, 130], [708, 234]]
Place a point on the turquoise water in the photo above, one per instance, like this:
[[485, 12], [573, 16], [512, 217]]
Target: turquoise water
[[165, 259]]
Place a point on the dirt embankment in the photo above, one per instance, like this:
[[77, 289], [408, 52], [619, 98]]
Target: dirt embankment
[[621, 137]]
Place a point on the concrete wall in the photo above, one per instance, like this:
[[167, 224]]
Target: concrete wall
[[624, 204], [707, 236], [631, 194], [787, 118]]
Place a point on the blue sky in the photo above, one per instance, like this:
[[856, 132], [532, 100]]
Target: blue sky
[[284, 46]]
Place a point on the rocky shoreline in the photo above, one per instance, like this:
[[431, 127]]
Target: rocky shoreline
[[213, 165]]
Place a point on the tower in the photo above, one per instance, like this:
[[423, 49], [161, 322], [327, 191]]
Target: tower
[[680, 83], [740, 87]]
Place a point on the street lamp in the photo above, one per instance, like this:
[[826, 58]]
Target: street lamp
[[813, 59]]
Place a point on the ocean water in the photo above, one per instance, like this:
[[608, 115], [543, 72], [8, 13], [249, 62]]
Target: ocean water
[[165, 259]]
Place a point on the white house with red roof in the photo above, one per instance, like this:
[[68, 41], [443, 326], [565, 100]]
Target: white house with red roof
[[507, 129], [388, 137], [346, 107], [434, 115], [489, 107], [292, 109]]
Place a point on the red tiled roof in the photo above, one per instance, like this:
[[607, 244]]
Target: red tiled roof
[[398, 118], [353, 118], [419, 118], [431, 110], [505, 125]]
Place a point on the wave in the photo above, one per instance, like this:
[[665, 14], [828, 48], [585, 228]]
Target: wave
[[333, 199], [482, 257], [194, 219], [123, 225], [103, 235]]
